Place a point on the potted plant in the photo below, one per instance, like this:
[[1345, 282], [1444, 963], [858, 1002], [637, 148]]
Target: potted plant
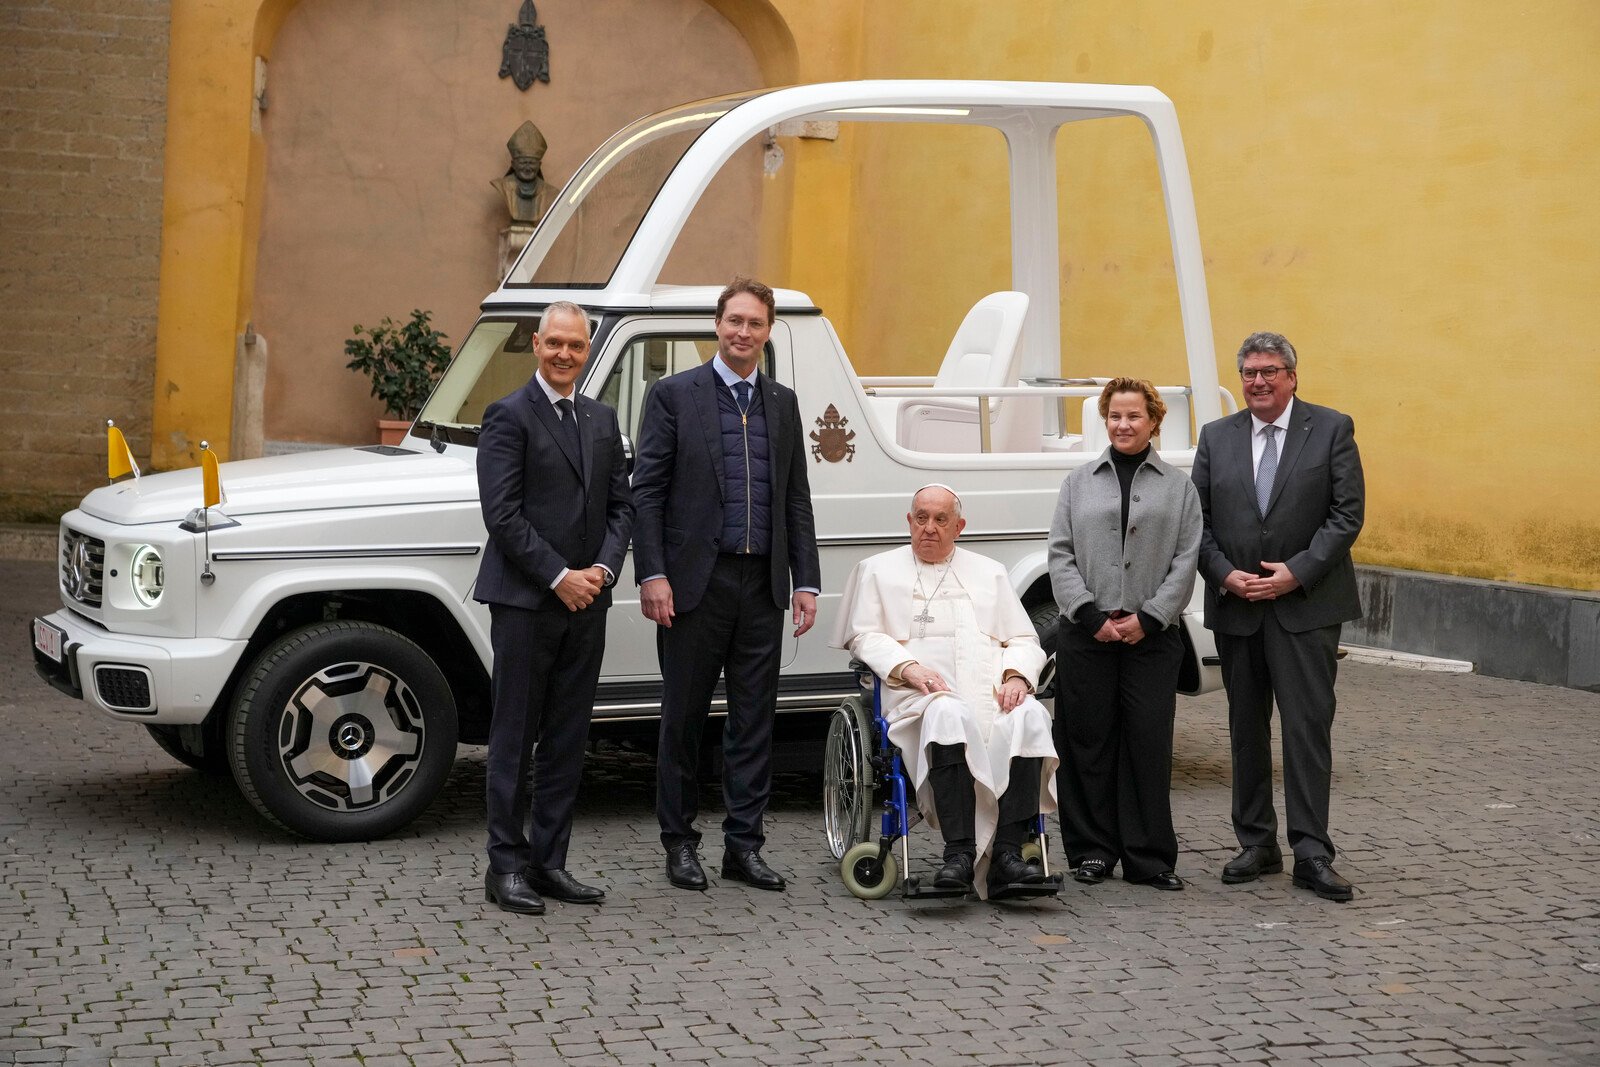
[[403, 362]]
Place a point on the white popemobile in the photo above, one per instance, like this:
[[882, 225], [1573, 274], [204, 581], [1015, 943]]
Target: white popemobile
[[325, 647]]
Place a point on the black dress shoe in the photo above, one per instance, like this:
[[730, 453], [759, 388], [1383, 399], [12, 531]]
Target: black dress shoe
[[556, 882], [955, 874], [1092, 872], [683, 867], [511, 892], [1318, 875], [750, 868], [1009, 868], [1252, 863], [1166, 880]]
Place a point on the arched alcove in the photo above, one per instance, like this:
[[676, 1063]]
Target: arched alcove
[[386, 123]]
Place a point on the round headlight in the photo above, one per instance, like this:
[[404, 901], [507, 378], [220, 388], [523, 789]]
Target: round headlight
[[147, 574]]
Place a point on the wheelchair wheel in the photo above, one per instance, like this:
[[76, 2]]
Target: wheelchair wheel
[[864, 876], [847, 781]]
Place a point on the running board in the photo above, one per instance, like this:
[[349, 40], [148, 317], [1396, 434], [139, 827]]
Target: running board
[[638, 701]]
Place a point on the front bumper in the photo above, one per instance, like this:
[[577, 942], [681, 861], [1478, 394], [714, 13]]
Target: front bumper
[[181, 678]]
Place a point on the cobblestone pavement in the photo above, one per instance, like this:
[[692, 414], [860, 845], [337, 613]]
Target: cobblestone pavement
[[149, 917]]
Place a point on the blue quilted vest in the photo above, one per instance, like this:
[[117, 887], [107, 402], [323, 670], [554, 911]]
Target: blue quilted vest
[[747, 473]]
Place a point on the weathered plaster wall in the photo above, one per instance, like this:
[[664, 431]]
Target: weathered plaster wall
[[82, 102], [386, 122]]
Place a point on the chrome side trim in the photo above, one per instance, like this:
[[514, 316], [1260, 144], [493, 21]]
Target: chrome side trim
[[335, 552], [604, 712]]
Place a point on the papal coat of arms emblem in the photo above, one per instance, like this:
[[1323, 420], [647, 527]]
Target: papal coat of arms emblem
[[832, 439], [525, 54]]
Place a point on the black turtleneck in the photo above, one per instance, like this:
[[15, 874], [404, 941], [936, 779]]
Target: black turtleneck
[[1126, 465], [1092, 618]]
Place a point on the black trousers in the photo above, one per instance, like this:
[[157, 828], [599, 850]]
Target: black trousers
[[734, 632], [1113, 733], [1298, 669], [546, 664]]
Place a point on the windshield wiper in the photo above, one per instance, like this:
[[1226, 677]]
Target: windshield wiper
[[435, 438]]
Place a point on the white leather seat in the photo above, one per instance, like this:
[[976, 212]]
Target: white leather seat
[[1095, 438], [984, 354]]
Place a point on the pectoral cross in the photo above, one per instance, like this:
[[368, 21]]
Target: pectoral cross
[[924, 619]]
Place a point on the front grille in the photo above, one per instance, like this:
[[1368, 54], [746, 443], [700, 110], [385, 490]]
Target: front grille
[[83, 565], [124, 688]]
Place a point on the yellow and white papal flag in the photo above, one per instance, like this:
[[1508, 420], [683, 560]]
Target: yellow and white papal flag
[[119, 457], [211, 477]]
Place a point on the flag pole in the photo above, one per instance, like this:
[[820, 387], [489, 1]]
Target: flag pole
[[206, 577]]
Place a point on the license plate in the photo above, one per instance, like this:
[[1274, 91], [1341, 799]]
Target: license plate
[[48, 639]]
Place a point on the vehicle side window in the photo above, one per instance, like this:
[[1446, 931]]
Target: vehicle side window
[[646, 360]]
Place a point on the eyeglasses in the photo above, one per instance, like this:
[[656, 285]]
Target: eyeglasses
[[1266, 374]]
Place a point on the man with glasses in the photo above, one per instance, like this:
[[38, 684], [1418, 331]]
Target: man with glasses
[[1283, 497]]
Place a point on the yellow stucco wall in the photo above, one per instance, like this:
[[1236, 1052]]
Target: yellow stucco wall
[[1406, 188], [1403, 187]]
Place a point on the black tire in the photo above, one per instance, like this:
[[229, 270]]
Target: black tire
[[192, 746], [1046, 619], [342, 731], [848, 785]]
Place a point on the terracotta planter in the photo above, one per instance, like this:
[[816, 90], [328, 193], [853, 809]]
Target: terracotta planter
[[392, 431]]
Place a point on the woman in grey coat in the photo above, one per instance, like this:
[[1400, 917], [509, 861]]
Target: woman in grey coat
[[1123, 546]]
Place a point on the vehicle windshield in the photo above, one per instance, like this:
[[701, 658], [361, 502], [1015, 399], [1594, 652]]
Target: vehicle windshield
[[580, 243], [495, 359]]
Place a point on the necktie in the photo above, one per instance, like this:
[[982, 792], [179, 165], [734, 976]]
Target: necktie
[[1267, 470], [569, 423], [741, 393]]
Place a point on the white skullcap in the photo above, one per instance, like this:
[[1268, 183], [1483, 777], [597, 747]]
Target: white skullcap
[[938, 485]]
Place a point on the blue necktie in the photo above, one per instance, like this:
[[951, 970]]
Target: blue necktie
[[1267, 470], [569, 423], [741, 393]]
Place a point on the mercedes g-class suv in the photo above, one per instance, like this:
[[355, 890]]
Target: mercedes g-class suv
[[316, 635]]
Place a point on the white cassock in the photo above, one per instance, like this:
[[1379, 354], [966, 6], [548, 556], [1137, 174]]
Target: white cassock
[[965, 622]]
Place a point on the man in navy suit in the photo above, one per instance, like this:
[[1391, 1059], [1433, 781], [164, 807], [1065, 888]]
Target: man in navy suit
[[724, 522], [553, 483], [1283, 497]]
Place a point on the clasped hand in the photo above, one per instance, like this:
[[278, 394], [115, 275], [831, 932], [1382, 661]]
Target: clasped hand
[[578, 588], [1128, 630], [1258, 587]]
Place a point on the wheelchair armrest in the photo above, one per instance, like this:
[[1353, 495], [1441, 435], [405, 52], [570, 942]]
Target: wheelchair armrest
[[863, 673]]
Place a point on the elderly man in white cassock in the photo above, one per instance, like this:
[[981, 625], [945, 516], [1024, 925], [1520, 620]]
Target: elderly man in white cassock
[[945, 630]]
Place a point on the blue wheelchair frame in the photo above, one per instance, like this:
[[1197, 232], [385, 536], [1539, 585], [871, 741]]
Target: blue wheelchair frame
[[870, 867]]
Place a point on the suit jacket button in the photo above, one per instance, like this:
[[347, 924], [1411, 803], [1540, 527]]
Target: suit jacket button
[[1133, 529], [1127, 564], [716, 541], [1136, 498]]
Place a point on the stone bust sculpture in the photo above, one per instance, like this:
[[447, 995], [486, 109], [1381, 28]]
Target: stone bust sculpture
[[528, 195]]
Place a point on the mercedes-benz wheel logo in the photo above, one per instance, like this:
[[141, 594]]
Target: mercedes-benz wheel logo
[[351, 736]]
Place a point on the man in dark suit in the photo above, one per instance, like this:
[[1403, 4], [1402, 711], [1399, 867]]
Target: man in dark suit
[[553, 483], [724, 521], [1282, 493]]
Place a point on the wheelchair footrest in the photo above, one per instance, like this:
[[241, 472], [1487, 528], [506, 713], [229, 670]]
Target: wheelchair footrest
[[913, 889], [1050, 887]]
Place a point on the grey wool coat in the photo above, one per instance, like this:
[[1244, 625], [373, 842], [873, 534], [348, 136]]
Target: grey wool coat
[[1152, 568]]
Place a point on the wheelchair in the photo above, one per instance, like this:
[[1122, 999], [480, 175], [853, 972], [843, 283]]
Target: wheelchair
[[863, 773]]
